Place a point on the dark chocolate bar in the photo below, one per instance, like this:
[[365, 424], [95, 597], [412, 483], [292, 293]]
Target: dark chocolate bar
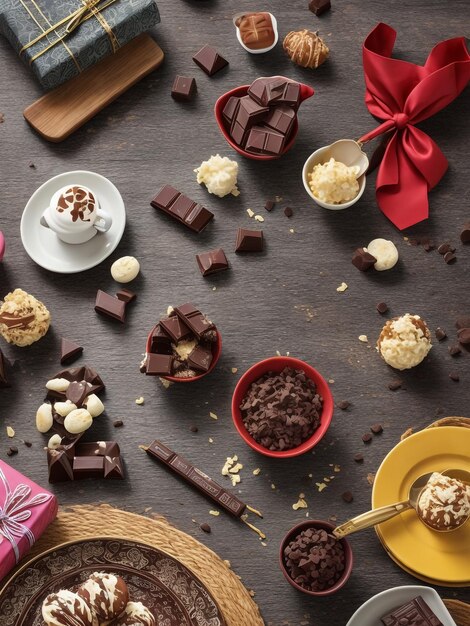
[[180, 207], [264, 140], [413, 613], [97, 459]]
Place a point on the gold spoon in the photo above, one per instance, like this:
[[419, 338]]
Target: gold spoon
[[384, 513]]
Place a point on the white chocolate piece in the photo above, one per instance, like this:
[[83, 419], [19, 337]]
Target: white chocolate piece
[[78, 421], [54, 442], [385, 252], [66, 608], [44, 419], [93, 405], [219, 175], [125, 269], [64, 408], [58, 384]]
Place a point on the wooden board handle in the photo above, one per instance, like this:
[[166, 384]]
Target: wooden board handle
[[459, 610]]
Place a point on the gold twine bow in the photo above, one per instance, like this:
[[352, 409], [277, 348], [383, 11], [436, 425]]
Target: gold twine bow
[[90, 8]]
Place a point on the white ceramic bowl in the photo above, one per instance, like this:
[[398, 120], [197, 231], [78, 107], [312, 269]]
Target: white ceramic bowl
[[261, 50], [346, 151]]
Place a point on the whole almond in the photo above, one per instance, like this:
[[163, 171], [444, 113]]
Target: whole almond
[[93, 405], [64, 408], [54, 442], [78, 421], [44, 418], [58, 384]]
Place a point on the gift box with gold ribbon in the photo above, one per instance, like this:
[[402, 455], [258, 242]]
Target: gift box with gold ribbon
[[59, 39]]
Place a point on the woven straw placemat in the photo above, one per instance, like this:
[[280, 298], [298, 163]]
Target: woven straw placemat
[[87, 521]]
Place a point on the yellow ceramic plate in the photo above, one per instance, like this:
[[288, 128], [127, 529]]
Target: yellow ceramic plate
[[425, 553]]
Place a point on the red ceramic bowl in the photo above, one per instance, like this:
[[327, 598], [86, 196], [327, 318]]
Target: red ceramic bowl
[[277, 364], [348, 560], [305, 92], [216, 350]]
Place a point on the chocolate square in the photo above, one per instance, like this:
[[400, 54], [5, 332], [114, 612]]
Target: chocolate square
[[212, 262], [184, 88], [209, 60], [159, 365]]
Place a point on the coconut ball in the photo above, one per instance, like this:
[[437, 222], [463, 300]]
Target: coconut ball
[[444, 503], [404, 341]]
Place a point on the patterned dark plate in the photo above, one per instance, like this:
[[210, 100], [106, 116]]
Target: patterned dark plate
[[166, 586]]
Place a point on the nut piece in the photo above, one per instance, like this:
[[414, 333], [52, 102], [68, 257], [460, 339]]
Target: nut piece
[[58, 384], [54, 442], [93, 405], [385, 252], [125, 269], [44, 418], [78, 421], [64, 408], [305, 48], [404, 341]]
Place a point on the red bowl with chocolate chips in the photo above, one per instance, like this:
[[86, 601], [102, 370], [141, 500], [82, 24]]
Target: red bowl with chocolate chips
[[277, 364]]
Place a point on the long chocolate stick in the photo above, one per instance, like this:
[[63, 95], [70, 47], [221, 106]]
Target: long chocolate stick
[[201, 482]]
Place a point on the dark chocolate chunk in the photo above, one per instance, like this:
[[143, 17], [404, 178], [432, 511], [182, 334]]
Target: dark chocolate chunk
[[77, 392], [428, 246], [450, 258], [281, 119], [175, 328], [69, 350], [366, 437], [440, 334], [359, 458], [110, 306], [288, 212], [444, 248], [382, 307], [161, 342], [264, 140], [78, 374], [12, 450], [159, 365], [269, 205], [4, 382], [394, 385], [249, 112], [196, 321], [347, 496], [455, 350], [230, 109], [462, 322], [194, 429], [464, 336], [10, 320], [319, 6], [200, 359], [249, 240], [113, 467], [87, 466], [180, 207], [126, 295], [209, 60], [465, 233], [363, 260], [205, 527], [98, 459], [376, 428], [184, 88], [211, 262], [118, 423], [454, 376], [413, 613], [60, 466], [274, 90], [28, 444], [343, 405]]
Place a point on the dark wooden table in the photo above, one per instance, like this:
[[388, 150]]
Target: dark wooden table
[[284, 300]]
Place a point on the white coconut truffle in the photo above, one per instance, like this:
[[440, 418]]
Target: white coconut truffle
[[385, 252], [125, 269], [444, 504], [219, 175], [404, 341]]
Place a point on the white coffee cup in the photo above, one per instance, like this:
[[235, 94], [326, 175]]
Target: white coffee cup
[[74, 214]]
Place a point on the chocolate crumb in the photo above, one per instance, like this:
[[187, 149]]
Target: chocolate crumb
[[205, 527], [288, 212], [28, 444], [269, 205], [462, 322], [440, 334], [465, 233], [396, 384], [449, 258], [347, 496], [376, 428], [193, 429], [455, 350], [454, 376], [359, 458], [32, 166], [12, 450], [382, 307], [428, 246], [366, 437], [464, 336], [118, 423], [444, 248], [343, 405]]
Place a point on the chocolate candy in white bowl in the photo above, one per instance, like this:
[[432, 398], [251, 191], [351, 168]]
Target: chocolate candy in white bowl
[[256, 31], [334, 176]]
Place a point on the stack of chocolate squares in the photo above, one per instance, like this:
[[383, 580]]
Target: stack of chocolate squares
[[262, 121], [181, 344]]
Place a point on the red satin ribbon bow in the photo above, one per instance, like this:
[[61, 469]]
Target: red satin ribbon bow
[[404, 94]]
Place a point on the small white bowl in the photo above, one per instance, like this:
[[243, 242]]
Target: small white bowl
[[261, 50], [346, 151]]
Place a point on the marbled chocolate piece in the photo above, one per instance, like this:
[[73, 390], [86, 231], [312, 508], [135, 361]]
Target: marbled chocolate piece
[[256, 30], [106, 594]]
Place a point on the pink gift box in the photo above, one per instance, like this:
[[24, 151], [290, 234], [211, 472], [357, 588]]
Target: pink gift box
[[26, 510]]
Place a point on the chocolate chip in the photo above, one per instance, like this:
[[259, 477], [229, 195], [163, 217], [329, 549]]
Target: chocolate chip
[[12, 450], [396, 384], [118, 423], [428, 246], [343, 405], [444, 248], [288, 212], [454, 376], [363, 260], [347, 496], [376, 428], [464, 336], [465, 233], [32, 166], [269, 205], [382, 307], [366, 437], [28, 444], [455, 350], [205, 527], [462, 322], [193, 429], [359, 458], [449, 258], [440, 334]]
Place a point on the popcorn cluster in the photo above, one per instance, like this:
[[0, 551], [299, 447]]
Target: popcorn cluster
[[334, 182], [404, 341]]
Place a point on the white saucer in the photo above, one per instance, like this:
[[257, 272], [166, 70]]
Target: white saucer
[[43, 245], [370, 613]]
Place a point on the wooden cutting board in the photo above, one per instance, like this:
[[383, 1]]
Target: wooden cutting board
[[60, 112], [460, 611]]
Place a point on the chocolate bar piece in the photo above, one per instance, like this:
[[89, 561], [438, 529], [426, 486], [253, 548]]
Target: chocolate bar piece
[[77, 392], [159, 364], [249, 240], [98, 459], [281, 119], [4, 382], [212, 262], [200, 359], [110, 306], [230, 109], [413, 613], [247, 114], [319, 6], [196, 478], [161, 342], [172, 202], [69, 350], [126, 295], [184, 89], [196, 321], [87, 466], [264, 140], [256, 30], [274, 90], [209, 60], [175, 328]]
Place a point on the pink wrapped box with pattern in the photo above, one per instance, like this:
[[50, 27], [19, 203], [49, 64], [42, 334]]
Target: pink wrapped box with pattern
[[26, 510]]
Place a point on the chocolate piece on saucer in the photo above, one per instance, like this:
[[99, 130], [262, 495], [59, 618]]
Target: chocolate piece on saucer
[[209, 60], [363, 260], [69, 350], [4, 382], [413, 613], [110, 306], [264, 140], [159, 364], [180, 207], [230, 109], [126, 295], [200, 359], [249, 240], [161, 341], [184, 88], [319, 6], [256, 30], [212, 262]]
